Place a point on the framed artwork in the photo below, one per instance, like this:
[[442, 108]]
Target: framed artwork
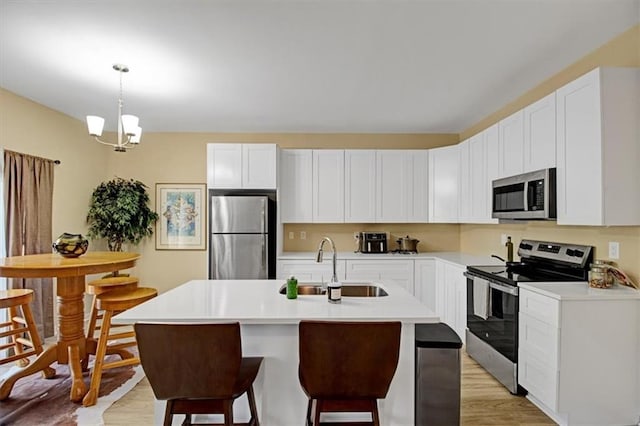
[[182, 217]]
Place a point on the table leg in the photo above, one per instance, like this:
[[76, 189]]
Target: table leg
[[71, 338], [78, 388], [42, 362]]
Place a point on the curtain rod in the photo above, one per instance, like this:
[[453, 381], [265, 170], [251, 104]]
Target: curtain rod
[[34, 156]]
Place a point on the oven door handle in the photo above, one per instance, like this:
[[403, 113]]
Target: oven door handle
[[504, 288]]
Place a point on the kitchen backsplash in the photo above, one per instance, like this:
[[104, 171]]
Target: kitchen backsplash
[[432, 236]]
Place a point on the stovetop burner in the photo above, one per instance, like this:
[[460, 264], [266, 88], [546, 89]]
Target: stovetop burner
[[398, 251], [540, 262]]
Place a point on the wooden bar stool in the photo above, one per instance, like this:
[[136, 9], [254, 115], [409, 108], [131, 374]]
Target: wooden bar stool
[[111, 303], [20, 321]]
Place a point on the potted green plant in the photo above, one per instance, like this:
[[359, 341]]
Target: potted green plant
[[119, 212]]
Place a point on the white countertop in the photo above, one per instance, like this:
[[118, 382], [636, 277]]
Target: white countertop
[[258, 302], [581, 291], [458, 258]]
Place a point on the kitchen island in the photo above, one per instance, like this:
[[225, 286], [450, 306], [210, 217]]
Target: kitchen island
[[269, 323]]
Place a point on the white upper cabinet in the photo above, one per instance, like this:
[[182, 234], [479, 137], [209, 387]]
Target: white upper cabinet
[[540, 134], [328, 186], [360, 185], [418, 207], [511, 159], [443, 184], [598, 148], [259, 166], [394, 181], [296, 185], [241, 166], [492, 147], [475, 185], [464, 184], [401, 186]]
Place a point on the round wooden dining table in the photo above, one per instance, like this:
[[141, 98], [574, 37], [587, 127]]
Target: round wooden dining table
[[71, 345]]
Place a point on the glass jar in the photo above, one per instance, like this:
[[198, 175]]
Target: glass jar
[[599, 276]]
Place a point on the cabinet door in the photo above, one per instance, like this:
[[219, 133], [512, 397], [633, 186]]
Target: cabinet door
[[394, 182], [441, 293], [479, 197], [464, 183], [224, 165], [360, 185], [579, 152], [296, 184], [259, 165], [399, 271], [492, 149], [419, 198], [328, 186], [540, 134], [512, 145], [309, 270], [443, 184], [424, 274]]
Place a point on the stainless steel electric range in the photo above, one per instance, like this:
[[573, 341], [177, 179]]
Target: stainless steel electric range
[[492, 301]]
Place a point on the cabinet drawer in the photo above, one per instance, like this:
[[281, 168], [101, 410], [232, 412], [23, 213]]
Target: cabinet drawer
[[540, 307], [538, 339], [538, 378]]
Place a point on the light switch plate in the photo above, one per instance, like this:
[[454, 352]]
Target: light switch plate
[[614, 250], [303, 235]]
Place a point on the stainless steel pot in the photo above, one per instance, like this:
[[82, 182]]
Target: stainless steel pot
[[407, 244]]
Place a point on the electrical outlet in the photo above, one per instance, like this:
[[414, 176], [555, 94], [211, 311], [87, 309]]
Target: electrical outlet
[[303, 235], [292, 235], [614, 250], [503, 239]]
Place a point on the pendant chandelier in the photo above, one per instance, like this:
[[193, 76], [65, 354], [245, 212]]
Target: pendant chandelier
[[128, 130]]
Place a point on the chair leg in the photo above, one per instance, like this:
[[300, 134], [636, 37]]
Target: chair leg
[[17, 346], [374, 413], [252, 407], [91, 329], [316, 414], [96, 375], [228, 412], [308, 418], [187, 420], [168, 413]]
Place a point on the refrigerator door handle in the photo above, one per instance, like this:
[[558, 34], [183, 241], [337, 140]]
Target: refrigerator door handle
[[263, 216], [265, 253]]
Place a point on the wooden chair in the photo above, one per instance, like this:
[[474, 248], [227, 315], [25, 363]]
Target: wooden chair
[[95, 288], [203, 373], [111, 303], [347, 366], [20, 321]]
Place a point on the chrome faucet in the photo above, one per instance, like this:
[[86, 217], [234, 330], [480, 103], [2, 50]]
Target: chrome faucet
[[334, 278]]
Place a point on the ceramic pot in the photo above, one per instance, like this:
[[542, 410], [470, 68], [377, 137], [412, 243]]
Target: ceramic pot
[[71, 245]]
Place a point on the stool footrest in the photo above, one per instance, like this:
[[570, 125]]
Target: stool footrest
[[122, 335], [25, 342], [17, 356], [14, 331], [121, 363]]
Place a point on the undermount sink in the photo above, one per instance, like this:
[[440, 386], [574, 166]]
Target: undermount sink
[[348, 290]]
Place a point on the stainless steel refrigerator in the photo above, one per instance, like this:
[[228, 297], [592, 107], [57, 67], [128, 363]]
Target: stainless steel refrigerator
[[242, 244]]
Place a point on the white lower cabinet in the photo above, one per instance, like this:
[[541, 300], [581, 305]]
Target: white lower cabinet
[[309, 270], [424, 278], [451, 296], [400, 271], [578, 359]]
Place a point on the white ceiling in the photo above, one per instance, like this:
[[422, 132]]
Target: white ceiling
[[297, 66]]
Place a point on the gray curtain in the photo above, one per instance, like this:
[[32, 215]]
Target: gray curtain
[[28, 190]]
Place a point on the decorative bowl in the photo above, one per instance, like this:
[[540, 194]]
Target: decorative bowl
[[71, 245]]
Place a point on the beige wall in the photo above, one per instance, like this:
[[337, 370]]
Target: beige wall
[[31, 128], [623, 50]]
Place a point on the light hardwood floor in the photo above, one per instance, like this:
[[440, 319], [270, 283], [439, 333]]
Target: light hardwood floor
[[484, 402]]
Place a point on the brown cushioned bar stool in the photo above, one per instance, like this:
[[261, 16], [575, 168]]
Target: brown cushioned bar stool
[[20, 321], [111, 303], [347, 366], [203, 373]]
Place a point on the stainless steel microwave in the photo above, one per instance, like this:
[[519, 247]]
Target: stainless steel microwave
[[528, 196]]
